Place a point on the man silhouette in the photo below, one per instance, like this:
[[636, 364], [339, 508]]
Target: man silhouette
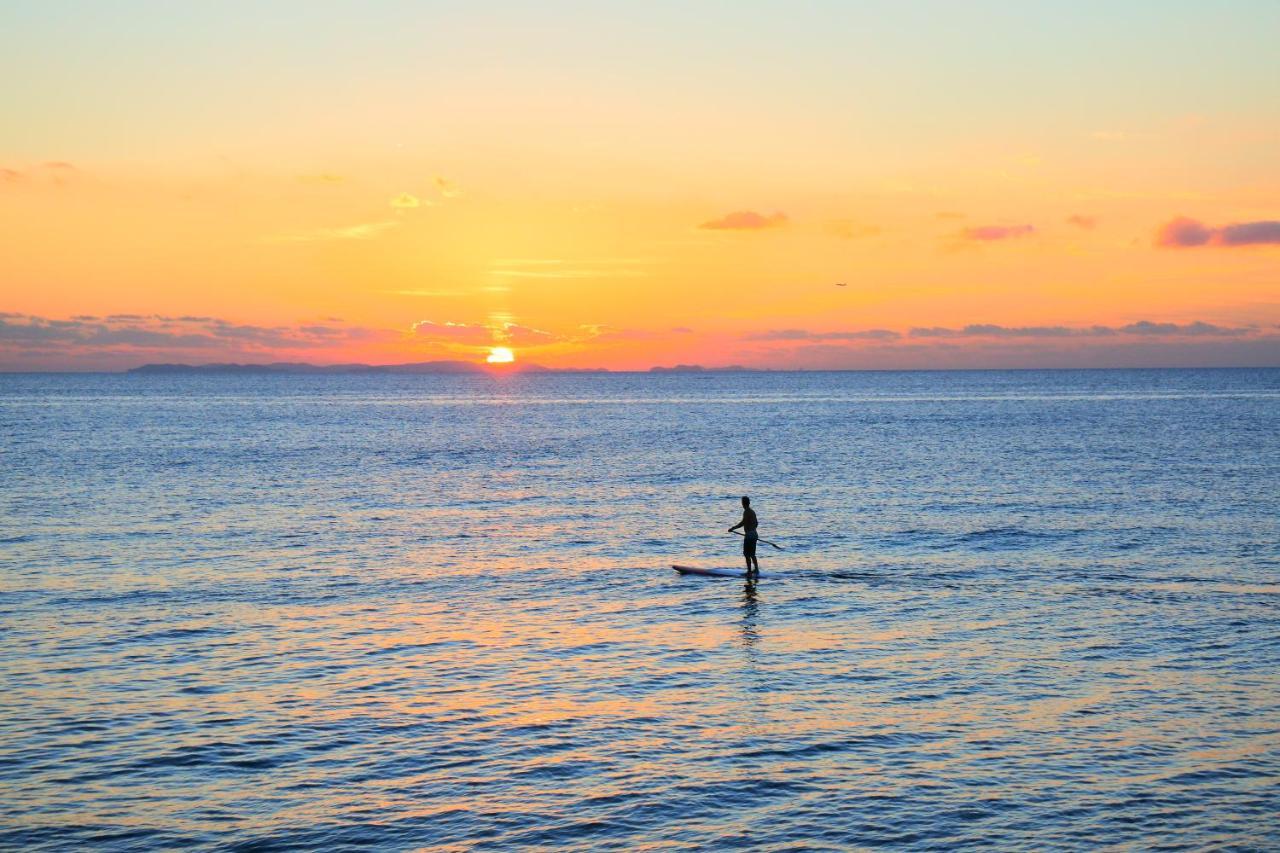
[[750, 536]]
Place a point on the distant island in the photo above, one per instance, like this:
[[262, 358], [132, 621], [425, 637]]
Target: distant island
[[698, 368], [420, 367]]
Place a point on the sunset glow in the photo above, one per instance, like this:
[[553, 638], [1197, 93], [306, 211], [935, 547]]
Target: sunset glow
[[500, 355], [982, 196]]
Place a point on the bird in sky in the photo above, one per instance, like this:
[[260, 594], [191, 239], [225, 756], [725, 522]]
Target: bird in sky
[[841, 284]]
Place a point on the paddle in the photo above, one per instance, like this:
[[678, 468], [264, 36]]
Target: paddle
[[765, 541]]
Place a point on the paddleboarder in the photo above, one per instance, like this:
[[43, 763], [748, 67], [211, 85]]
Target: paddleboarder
[[750, 535]]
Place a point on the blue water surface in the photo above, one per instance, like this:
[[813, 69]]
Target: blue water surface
[[1019, 610]]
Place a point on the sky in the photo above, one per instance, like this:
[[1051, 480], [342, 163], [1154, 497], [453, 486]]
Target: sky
[[822, 185]]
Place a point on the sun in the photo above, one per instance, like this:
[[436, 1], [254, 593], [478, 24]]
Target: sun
[[500, 355]]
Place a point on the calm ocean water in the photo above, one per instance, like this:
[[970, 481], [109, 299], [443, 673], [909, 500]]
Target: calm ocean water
[[1021, 610]]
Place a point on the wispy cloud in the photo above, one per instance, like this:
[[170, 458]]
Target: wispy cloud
[[518, 335], [362, 231], [448, 331], [1141, 327], [991, 233], [405, 201], [477, 334], [745, 220], [804, 335], [552, 268], [602, 333], [1080, 220], [1183, 232]]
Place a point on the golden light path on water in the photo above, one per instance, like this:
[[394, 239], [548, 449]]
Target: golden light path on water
[[1014, 611]]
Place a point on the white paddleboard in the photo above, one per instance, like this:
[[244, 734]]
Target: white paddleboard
[[718, 573]]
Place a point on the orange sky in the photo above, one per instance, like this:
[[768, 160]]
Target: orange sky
[[831, 189]]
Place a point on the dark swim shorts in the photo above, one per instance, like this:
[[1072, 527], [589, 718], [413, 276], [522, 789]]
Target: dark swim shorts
[[749, 544]]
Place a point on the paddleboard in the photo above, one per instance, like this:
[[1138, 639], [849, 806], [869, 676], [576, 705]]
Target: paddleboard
[[718, 573]]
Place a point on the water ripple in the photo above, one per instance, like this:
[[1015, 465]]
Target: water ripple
[[1016, 610]]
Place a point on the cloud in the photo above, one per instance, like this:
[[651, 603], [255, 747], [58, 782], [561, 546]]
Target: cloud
[[518, 335], [363, 231], [978, 354], [803, 335], [1196, 329], [1144, 343], [989, 233], [479, 334], [601, 333], [405, 201], [1080, 220], [745, 220], [10, 175], [1249, 233], [468, 333], [500, 331], [321, 178], [553, 268], [447, 188], [1141, 327], [1183, 232], [148, 334]]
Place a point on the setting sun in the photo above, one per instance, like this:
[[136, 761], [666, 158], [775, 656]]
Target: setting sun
[[500, 355]]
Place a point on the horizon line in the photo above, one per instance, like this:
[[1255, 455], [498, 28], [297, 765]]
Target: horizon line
[[657, 369]]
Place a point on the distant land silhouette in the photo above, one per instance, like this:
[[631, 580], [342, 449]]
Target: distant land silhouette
[[698, 368], [303, 367], [444, 367]]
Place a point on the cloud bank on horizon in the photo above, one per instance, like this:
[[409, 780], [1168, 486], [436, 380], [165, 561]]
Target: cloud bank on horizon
[[122, 341]]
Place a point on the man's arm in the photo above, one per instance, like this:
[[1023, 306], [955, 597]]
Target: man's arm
[[739, 524]]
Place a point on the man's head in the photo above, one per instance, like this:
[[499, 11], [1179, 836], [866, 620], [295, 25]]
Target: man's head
[[746, 501]]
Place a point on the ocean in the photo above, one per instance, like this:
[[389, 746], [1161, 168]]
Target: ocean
[[1015, 610]]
